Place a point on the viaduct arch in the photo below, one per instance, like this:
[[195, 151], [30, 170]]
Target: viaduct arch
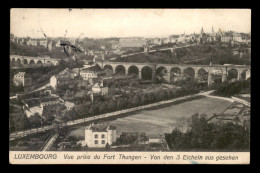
[[148, 71], [26, 60], [133, 70]]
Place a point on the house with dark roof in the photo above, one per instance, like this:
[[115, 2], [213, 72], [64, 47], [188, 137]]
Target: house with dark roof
[[23, 79], [227, 37], [63, 78], [90, 72], [99, 135]]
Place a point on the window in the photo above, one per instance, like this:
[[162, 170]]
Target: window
[[96, 136], [96, 141], [103, 142], [103, 136]]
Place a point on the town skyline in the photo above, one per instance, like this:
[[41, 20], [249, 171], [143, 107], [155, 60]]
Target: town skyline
[[147, 23]]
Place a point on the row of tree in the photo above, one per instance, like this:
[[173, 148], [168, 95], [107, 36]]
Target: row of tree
[[132, 99]]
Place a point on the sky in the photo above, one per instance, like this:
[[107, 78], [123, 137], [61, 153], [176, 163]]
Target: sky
[[100, 23]]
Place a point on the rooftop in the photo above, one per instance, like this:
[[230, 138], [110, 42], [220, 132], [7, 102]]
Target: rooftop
[[100, 127], [22, 74], [95, 68]]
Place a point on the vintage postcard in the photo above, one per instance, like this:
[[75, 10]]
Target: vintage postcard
[[130, 86]]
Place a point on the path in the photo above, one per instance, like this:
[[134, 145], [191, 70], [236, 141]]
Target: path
[[207, 94], [50, 142], [123, 56], [194, 60], [40, 88]]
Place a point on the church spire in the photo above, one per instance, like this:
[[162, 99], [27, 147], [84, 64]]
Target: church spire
[[220, 31], [212, 30], [201, 30]]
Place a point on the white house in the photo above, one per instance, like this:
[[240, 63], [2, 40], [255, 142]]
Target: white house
[[99, 135], [86, 75], [62, 78], [100, 89], [248, 74], [23, 79], [90, 72], [69, 105]]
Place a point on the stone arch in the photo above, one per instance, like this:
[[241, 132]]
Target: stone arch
[[120, 69], [203, 74], [32, 61], [243, 74], [108, 68], [25, 61], [217, 75], [133, 70], [232, 73], [161, 71], [161, 74], [175, 73], [19, 61], [39, 62], [13, 61], [147, 73], [189, 72]]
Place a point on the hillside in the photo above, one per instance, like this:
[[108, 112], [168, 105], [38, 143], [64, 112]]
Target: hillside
[[217, 54]]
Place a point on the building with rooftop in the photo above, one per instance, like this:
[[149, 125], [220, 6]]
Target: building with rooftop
[[132, 42], [32, 42], [100, 89], [43, 43], [182, 38], [36, 105], [23, 79], [99, 135], [90, 72], [63, 78], [69, 105]]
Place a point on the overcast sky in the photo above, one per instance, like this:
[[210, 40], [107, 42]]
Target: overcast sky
[[125, 22]]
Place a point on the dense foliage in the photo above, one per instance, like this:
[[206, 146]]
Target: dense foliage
[[205, 136], [227, 89]]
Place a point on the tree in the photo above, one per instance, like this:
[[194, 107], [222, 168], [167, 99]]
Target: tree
[[208, 136], [102, 107], [107, 146], [135, 100], [21, 122], [35, 120], [91, 110], [175, 138], [70, 115], [237, 120]]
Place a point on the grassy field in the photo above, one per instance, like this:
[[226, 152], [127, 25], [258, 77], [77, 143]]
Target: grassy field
[[162, 120]]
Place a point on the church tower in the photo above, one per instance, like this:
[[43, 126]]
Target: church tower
[[201, 32], [146, 48], [220, 32]]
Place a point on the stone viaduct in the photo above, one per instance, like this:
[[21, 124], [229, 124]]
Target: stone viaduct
[[27, 60], [128, 67]]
